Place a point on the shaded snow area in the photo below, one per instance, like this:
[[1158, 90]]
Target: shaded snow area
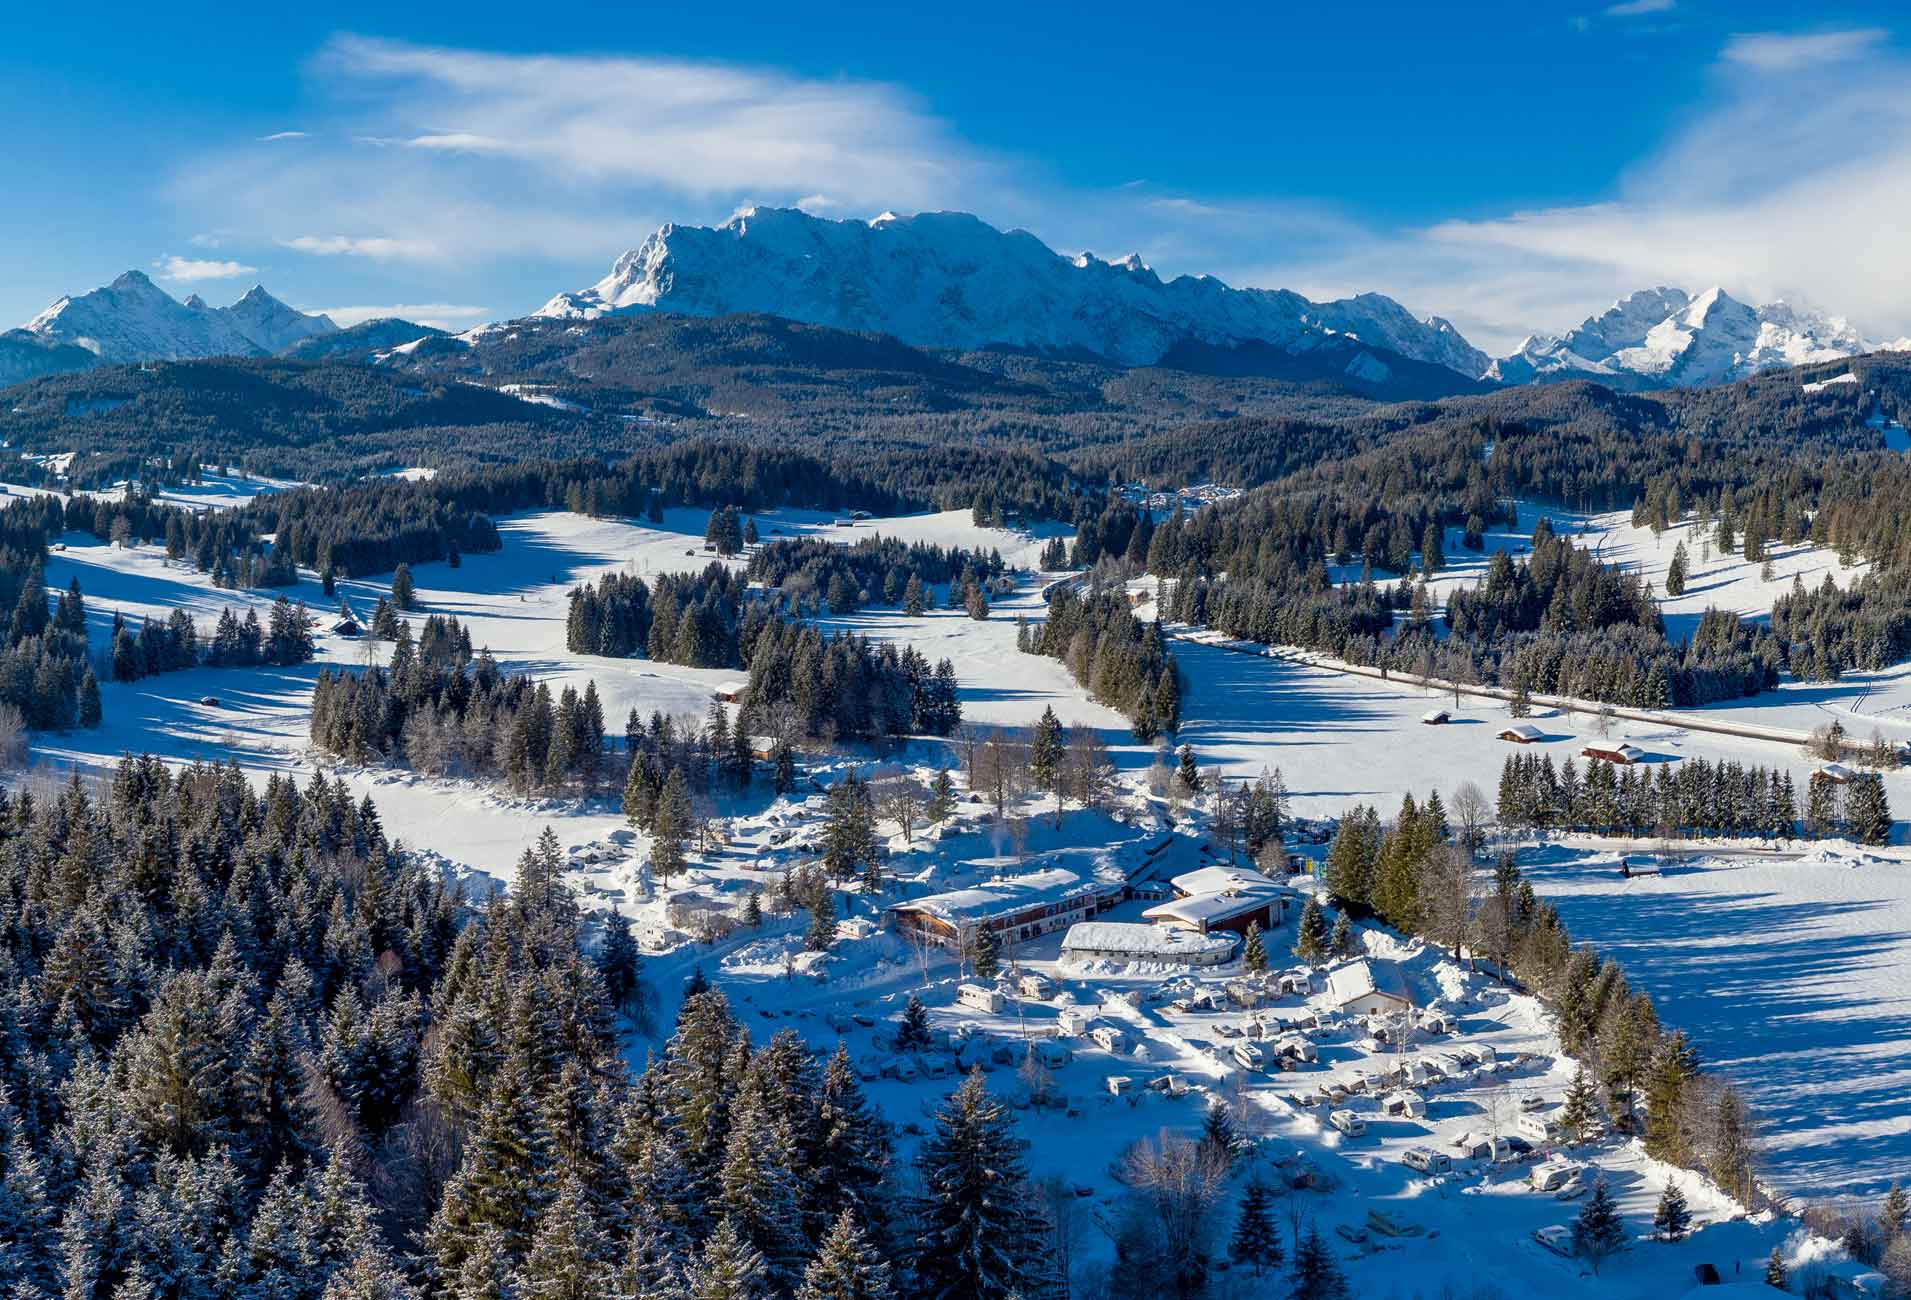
[[1788, 970], [1792, 975]]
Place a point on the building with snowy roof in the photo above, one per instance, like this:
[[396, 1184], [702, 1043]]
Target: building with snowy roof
[[1521, 733], [1622, 754], [1013, 907], [1215, 880], [1231, 910], [1361, 989], [1126, 941]]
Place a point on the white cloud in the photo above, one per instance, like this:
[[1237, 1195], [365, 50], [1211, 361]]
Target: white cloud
[[282, 135], [373, 246], [187, 269], [444, 315], [1638, 8], [1787, 52], [1787, 181]]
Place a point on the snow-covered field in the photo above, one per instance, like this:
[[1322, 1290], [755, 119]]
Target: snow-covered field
[[1792, 975], [514, 601], [1789, 974]]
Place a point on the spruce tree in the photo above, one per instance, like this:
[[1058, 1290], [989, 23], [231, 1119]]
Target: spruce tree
[[912, 1031], [571, 1257], [1220, 1139], [1316, 1273], [1599, 1232], [728, 1267], [1343, 940], [1581, 1110], [851, 1167], [403, 594], [941, 797], [847, 1267], [978, 1235], [1310, 932], [1776, 1274], [670, 826], [1673, 1219], [1257, 1239], [1253, 951], [90, 711], [987, 954], [1893, 1214]]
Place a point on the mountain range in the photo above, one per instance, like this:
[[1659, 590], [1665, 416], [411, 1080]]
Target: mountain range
[[1667, 338], [948, 281]]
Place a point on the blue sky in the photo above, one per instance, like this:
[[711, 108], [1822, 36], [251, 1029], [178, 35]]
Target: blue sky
[[1511, 166]]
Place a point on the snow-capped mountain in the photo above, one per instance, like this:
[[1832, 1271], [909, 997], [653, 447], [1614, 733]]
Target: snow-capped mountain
[[133, 319], [1664, 337], [950, 280]]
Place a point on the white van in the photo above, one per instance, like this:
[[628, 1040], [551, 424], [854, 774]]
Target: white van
[[1348, 1122], [1426, 1160]]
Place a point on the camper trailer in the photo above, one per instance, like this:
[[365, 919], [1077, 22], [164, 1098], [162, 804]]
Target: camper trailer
[[1551, 1175], [1249, 1056], [1348, 1122], [1074, 1020], [1539, 1126], [1109, 1038], [1039, 987], [1426, 1160], [1406, 1104], [979, 997], [1297, 1047]]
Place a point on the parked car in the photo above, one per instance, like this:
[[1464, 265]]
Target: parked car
[[210, 701], [1557, 1238]]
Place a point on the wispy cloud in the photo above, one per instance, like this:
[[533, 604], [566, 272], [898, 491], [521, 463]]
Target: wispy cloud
[[433, 161], [282, 135], [186, 270], [1788, 52], [443, 315], [1639, 8], [373, 246]]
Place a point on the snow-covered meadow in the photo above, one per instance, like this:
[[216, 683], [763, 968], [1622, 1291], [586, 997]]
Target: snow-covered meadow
[[1811, 956]]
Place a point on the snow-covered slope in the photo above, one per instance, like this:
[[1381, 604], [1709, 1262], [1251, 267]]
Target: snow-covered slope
[[133, 319], [949, 280], [1663, 337]]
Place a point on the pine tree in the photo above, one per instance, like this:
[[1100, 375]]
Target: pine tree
[[1310, 932], [1893, 1214], [1599, 1232], [846, 1268], [1673, 1219], [1776, 1274], [912, 1031], [1343, 940], [90, 712], [1257, 1240], [1220, 1139], [987, 954], [571, 1257], [1867, 809], [728, 1268], [1187, 773], [1581, 1110], [670, 826], [403, 594], [941, 797], [821, 935], [1253, 951], [978, 1234], [851, 1166], [1316, 1274], [1676, 571]]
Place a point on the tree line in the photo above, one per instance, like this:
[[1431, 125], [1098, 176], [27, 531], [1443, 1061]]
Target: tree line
[[1119, 660]]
